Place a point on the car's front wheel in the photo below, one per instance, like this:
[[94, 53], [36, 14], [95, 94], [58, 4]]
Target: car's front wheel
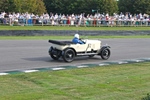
[[105, 53], [68, 55]]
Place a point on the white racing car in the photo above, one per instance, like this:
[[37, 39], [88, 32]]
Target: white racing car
[[68, 50]]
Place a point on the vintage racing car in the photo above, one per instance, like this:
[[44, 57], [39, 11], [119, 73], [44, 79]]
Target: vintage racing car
[[68, 50]]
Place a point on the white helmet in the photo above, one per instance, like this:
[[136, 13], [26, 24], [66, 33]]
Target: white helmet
[[76, 35]]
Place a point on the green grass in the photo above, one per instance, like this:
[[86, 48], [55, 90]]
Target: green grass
[[115, 82], [71, 28]]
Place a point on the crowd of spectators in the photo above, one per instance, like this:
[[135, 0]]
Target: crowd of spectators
[[75, 19]]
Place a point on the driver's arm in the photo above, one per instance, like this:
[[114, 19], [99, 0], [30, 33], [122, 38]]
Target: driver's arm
[[81, 42]]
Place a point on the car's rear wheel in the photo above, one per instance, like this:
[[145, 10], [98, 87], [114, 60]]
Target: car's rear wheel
[[54, 53], [54, 56], [105, 53], [68, 55]]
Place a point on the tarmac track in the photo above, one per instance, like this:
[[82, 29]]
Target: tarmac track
[[30, 54]]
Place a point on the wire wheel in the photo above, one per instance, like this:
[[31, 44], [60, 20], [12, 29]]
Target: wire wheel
[[54, 53], [68, 55], [55, 57], [105, 53]]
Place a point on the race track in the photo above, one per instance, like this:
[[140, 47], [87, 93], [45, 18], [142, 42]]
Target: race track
[[30, 54]]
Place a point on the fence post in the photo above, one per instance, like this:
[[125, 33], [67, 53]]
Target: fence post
[[42, 22], [10, 21]]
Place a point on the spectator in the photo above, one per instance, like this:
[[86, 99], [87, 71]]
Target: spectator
[[74, 19]]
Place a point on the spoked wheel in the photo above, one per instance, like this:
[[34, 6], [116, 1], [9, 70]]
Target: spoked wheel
[[54, 56], [54, 53], [68, 55], [105, 53]]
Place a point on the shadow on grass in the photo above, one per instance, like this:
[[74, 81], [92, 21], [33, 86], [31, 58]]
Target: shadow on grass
[[147, 97]]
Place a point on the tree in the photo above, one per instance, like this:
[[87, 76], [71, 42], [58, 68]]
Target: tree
[[88, 6], [4, 5], [22, 6], [108, 6], [40, 7], [53, 6], [31, 6], [60, 6], [142, 6], [134, 6], [81, 6]]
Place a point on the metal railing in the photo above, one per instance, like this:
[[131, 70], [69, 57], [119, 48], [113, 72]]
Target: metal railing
[[76, 22]]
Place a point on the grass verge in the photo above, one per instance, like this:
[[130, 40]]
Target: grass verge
[[114, 82], [72, 28]]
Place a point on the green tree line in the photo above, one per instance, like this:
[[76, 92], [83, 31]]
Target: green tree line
[[75, 6]]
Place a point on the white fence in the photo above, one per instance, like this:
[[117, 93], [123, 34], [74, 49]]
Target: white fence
[[77, 22]]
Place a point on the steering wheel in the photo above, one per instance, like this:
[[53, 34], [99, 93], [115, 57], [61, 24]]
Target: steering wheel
[[81, 39]]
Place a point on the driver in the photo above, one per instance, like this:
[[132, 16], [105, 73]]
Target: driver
[[76, 39]]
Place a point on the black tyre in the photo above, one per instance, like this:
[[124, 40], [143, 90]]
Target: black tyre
[[105, 53], [55, 57], [68, 55], [54, 53]]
